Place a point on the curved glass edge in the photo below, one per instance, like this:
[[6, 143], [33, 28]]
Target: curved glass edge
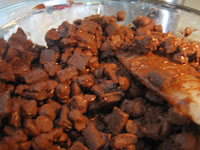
[[164, 13]]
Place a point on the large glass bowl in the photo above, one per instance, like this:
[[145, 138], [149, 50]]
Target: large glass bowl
[[172, 17]]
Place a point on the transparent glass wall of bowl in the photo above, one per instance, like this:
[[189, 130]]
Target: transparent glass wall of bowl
[[173, 18]]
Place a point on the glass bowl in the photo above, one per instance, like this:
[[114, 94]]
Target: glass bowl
[[172, 17]]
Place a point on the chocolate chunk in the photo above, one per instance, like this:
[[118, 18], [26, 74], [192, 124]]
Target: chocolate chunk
[[88, 26], [76, 59], [15, 119], [48, 110], [5, 104], [90, 97], [176, 118], [35, 76], [123, 140], [30, 128], [79, 120], [111, 29], [51, 36], [25, 145], [35, 95], [49, 55], [124, 82], [12, 143], [37, 87], [3, 46], [44, 123], [121, 16], [63, 120], [185, 141], [65, 56], [30, 108], [6, 72], [131, 127], [154, 98], [42, 141], [67, 74], [20, 136], [78, 146], [116, 120], [52, 68], [75, 89], [92, 137], [63, 91], [86, 81], [134, 107], [79, 102]]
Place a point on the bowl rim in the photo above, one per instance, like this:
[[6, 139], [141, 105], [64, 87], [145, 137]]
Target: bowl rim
[[156, 2]]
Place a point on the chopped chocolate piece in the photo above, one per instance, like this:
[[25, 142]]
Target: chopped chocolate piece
[[51, 84], [48, 110], [20, 136], [171, 44], [92, 137], [90, 97], [36, 76], [134, 108], [30, 128], [111, 29], [111, 98], [88, 26], [124, 83], [184, 141], [30, 108], [123, 140], [64, 121], [15, 119], [95, 18], [42, 141], [6, 72], [52, 68], [84, 37], [153, 97], [11, 54], [111, 70], [131, 127], [76, 59], [51, 36], [78, 146], [5, 104], [63, 91], [79, 102], [3, 46], [93, 63], [67, 74], [116, 120], [86, 81], [75, 89], [25, 145], [19, 67], [12, 143], [49, 55], [174, 117], [187, 31], [35, 95], [151, 130], [37, 87], [121, 16], [65, 56], [44, 123], [143, 22], [79, 120]]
